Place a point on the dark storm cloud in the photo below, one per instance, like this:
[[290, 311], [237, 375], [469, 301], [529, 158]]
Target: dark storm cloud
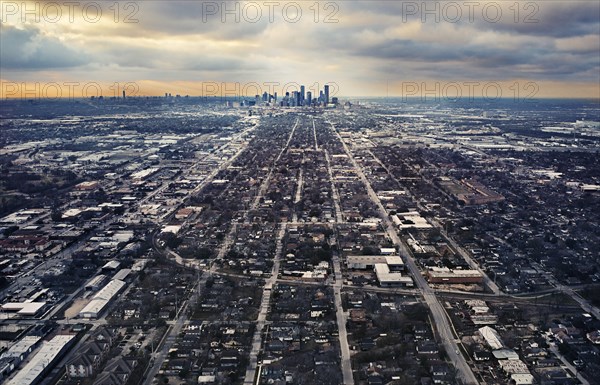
[[478, 55], [536, 18], [221, 20], [546, 67], [476, 61], [28, 49], [410, 50], [555, 19], [559, 46]]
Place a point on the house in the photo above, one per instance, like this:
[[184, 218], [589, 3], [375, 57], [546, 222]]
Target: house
[[358, 316], [441, 374], [427, 348], [229, 360], [481, 355], [89, 358], [594, 337], [421, 331], [367, 344], [375, 379], [116, 372], [86, 365]]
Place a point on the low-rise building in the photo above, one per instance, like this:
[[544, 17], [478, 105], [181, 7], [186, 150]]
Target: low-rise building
[[42, 361], [385, 277], [454, 276]]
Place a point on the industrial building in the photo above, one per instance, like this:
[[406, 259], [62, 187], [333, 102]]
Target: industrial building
[[17, 353], [387, 250], [111, 265], [139, 265], [96, 283], [122, 274], [22, 348], [517, 370], [101, 299], [491, 337], [42, 362]]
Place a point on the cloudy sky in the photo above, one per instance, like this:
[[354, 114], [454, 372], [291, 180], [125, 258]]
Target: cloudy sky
[[364, 48]]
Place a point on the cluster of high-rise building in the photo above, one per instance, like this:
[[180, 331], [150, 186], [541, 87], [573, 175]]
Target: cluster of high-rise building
[[296, 98]]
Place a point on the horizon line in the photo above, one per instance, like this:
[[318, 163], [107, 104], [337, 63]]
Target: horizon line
[[215, 97]]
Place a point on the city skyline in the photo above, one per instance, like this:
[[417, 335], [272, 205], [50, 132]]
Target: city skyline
[[303, 192]]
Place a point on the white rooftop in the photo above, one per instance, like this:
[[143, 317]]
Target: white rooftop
[[384, 275], [111, 265], [95, 306], [491, 336], [109, 291], [24, 308], [522, 378]]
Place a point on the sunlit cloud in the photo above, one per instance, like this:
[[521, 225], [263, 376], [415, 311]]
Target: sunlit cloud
[[157, 43]]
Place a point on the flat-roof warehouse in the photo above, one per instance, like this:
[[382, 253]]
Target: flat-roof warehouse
[[101, 299]]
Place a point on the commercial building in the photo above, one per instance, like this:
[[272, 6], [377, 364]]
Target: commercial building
[[363, 262], [385, 277], [469, 191], [143, 174], [437, 275], [410, 220], [25, 309]]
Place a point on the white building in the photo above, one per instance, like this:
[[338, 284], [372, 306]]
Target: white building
[[101, 299], [491, 337], [387, 278], [27, 309]]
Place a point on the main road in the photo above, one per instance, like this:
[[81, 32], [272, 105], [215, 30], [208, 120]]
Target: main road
[[346, 363], [464, 255], [442, 324], [341, 316], [261, 320]]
